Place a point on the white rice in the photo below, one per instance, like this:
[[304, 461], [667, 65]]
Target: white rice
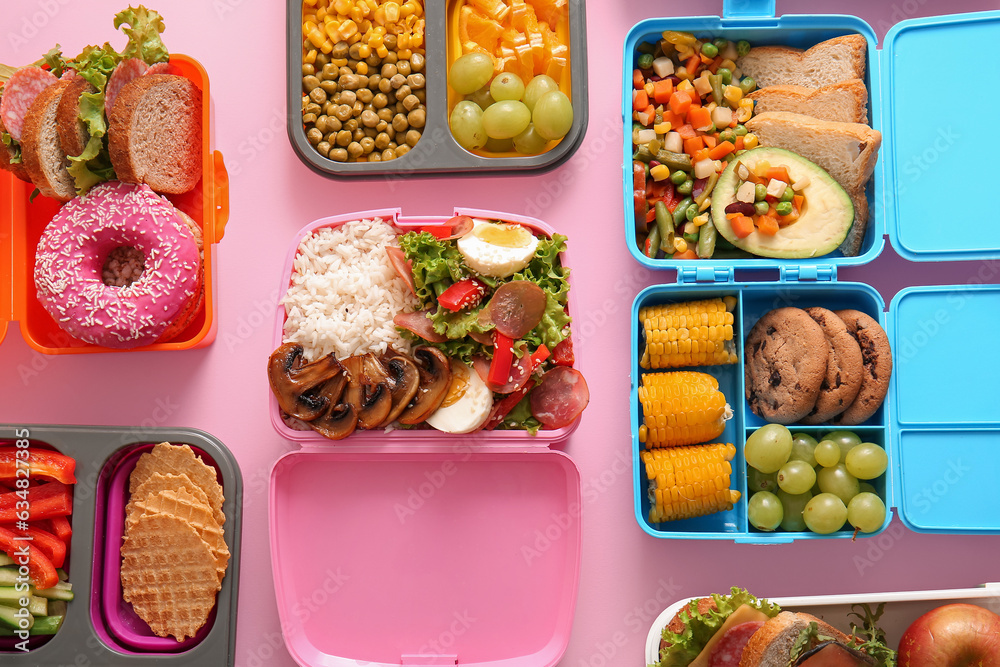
[[344, 292]]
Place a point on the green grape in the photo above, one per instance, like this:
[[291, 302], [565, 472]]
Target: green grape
[[796, 477], [506, 119], [867, 488], [506, 86], [467, 125], [825, 514], [866, 512], [537, 87], [759, 481], [470, 73], [827, 453], [867, 461], [803, 445], [839, 482], [499, 145], [792, 506], [846, 440], [481, 97], [529, 143], [768, 448], [764, 511], [553, 115]]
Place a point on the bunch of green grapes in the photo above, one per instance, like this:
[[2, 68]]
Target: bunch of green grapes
[[798, 483]]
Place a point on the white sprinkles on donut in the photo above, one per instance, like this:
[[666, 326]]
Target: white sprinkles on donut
[[72, 252]]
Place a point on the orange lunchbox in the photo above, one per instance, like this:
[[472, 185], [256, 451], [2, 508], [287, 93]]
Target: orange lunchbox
[[22, 222]]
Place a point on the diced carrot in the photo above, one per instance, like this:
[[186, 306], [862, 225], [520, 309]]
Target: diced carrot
[[700, 118], [739, 143], [638, 80], [693, 145], [646, 116], [687, 254], [695, 97], [662, 90], [779, 172], [797, 202], [692, 64], [700, 155], [742, 225], [680, 102], [672, 118], [722, 150], [640, 101], [716, 63], [705, 59], [651, 214], [767, 225], [686, 131], [711, 140], [785, 220]]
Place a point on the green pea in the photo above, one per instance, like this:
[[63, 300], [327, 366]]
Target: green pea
[[787, 194], [727, 135], [759, 192], [747, 85], [783, 207], [691, 212], [741, 130], [742, 48], [646, 61], [678, 177], [761, 208], [686, 187], [709, 49], [725, 74], [720, 43]]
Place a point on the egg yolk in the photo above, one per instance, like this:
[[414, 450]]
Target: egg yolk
[[459, 384], [504, 236]]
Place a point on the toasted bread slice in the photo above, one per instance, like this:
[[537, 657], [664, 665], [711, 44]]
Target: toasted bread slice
[[6, 155], [832, 61], [43, 156], [73, 134], [772, 644], [154, 133], [847, 151], [842, 102]]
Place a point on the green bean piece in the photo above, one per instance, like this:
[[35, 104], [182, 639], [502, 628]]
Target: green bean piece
[[665, 225], [787, 194], [652, 242], [674, 160], [747, 85], [686, 187], [759, 192], [680, 212], [691, 212], [713, 178], [742, 48], [741, 130], [716, 82], [720, 43], [725, 75], [691, 238], [706, 239], [783, 207], [645, 61], [677, 177], [761, 208], [642, 154], [709, 49]]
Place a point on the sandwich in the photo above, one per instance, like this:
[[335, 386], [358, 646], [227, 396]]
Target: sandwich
[[803, 640]]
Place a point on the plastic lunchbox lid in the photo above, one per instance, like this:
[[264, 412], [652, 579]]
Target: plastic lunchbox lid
[[22, 223], [441, 549], [924, 149]]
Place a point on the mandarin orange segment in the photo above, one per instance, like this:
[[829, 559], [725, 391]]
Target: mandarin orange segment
[[495, 9], [550, 11]]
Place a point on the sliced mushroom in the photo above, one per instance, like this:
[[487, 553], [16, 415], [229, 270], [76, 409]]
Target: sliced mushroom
[[376, 404], [338, 423], [404, 378], [435, 377], [292, 381], [370, 397]]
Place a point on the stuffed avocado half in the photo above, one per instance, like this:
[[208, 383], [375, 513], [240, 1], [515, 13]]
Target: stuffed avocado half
[[774, 203]]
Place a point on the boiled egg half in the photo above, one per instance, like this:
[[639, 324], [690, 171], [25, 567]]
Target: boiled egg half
[[467, 405], [497, 249]]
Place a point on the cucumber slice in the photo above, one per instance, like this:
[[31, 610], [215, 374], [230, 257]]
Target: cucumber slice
[[47, 625], [5, 559], [11, 597], [8, 619], [8, 576], [61, 591]]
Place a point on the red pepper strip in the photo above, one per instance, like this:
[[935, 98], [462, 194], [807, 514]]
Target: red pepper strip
[[503, 357], [463, 294], [40, 462], [437, 231], [503, 407], [60, 527], [50, 545], [539, 356], [41, 571], [43, 502], [562, 355]]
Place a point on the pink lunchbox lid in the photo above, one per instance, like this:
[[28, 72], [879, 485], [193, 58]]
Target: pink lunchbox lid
[[421, 547]]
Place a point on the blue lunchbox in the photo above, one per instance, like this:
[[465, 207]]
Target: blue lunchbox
[[940, 422]]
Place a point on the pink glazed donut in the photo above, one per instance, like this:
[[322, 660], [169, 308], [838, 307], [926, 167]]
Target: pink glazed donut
[[72, 253]]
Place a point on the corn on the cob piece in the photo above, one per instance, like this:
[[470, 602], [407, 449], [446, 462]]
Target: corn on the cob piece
[[691, 481], [692, 333], [681, 408]]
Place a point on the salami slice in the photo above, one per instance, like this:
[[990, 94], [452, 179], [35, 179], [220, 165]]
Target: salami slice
[[520, 371], [19, 92], [560, 397], [516, 308], [729, 649], [159, 68], [402, 265], [126, 71], [418, 323]]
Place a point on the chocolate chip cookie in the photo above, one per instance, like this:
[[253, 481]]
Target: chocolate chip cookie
[[877, 357], [844, 368], [785, 364]]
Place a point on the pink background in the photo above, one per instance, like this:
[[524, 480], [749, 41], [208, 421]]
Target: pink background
[[627, 577]]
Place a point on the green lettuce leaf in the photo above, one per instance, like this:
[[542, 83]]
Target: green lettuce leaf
[[11, 143], [520, 418], [93, 165], [145, 26], [54, 59], [809, 637], [870, 638], [436, 264], [700, 628]]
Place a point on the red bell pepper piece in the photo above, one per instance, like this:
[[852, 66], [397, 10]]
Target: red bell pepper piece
[[40, 463], [37, 502], [463, 294], [503, 357], [562, 355], [437, 231], [539, 356], [503, 407], [50, 545], [60, 527], [41, 571]]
